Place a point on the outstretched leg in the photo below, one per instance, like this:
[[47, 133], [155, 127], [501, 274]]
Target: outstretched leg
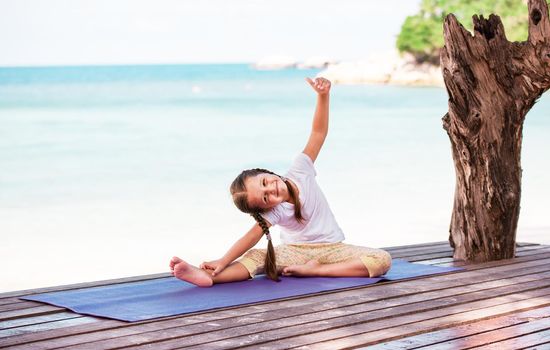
[[203, 278], [350, 268]]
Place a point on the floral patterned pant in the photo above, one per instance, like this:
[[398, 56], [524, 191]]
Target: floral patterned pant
[[377, 261]]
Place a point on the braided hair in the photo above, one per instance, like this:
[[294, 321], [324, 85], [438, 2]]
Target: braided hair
[[240, 198]]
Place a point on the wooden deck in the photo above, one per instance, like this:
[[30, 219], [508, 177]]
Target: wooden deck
[[498, 305]]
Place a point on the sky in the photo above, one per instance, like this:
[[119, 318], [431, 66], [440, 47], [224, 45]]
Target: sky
[[80, 32]]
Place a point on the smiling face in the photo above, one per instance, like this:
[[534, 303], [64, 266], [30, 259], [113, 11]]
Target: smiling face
[[266, 191]]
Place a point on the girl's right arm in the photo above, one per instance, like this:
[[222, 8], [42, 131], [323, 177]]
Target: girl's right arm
[[319, 129], [240, 247]]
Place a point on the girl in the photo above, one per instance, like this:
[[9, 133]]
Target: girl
[[312, 240]]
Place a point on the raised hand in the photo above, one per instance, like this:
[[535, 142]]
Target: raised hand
[[320, 85]]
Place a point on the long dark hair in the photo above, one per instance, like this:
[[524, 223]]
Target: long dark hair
[[240, 198]]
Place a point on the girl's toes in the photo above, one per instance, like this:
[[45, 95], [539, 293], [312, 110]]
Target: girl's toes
[[174, 261]]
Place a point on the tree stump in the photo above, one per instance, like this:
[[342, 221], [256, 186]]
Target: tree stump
[[492, 84]]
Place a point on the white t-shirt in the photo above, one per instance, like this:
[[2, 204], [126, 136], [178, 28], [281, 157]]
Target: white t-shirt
[[319, 225]]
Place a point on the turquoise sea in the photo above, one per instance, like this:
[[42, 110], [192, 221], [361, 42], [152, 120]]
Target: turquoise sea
[[108, 171]]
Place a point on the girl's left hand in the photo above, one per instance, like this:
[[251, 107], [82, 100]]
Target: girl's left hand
[[213, 267], [320, 85]]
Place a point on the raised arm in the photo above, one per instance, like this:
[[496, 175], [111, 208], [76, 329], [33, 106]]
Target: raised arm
[[319, 129], [240, 247]]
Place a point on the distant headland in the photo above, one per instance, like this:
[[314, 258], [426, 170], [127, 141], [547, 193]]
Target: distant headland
[[389, 68]]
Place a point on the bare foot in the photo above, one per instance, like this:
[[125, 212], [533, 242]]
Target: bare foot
[[308, 269], [189, 273], [175, 260]]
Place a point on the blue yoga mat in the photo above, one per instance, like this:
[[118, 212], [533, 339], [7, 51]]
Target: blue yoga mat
[[137, 301]]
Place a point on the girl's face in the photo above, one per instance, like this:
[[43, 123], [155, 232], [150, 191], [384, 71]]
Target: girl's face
[[266, 191]]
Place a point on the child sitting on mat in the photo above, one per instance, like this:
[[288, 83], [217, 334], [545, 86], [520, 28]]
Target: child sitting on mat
[[312, 240]]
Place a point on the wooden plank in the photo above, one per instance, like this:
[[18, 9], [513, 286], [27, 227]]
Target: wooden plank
[[537, 254], [68, 329], [18, 306], [531, 247], [536, 339], [436, 261], [429, 244], [422, 257], [498, 335], [523, 244], [335, 300], [7, 301], [33, 311], [458, 332], [371, 333], [521, 251], [297, 320], [36, 319], [46, 326], [420, 250]]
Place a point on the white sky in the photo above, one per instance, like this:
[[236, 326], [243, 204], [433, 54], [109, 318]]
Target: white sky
[[52, 32]]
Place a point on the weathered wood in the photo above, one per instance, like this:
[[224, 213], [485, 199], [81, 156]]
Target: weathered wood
[[492, 84], [40, 310], [522, 250], [33, 311], [47, 326], [494, 336], [459, 332], [537, 254], [12, 323], [296, 316], [383, 321], [18, 305], [418, 245], [356, 335], [535, 339], [434, 284], [12, 300], [328, 314], [421, 249]]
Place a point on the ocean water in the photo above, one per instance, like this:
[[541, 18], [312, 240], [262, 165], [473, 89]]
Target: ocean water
[[109, 171]]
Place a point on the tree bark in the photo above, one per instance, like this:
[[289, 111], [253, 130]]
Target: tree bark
[[492, 84]]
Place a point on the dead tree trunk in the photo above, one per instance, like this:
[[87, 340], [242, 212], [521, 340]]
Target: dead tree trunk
[[492, 84]]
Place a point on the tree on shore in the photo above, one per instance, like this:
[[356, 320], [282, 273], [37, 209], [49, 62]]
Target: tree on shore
[[492, 83], [421, 33]]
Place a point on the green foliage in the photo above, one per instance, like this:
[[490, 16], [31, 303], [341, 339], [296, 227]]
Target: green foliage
[[422, 34]]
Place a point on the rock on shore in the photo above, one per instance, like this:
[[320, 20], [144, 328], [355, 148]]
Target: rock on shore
[[385, 69]]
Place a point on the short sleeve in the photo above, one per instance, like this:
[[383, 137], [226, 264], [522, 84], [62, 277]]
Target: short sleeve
[[272, 216], [303, 164]]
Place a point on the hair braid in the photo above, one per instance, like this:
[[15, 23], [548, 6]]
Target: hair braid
[[270, 264]]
